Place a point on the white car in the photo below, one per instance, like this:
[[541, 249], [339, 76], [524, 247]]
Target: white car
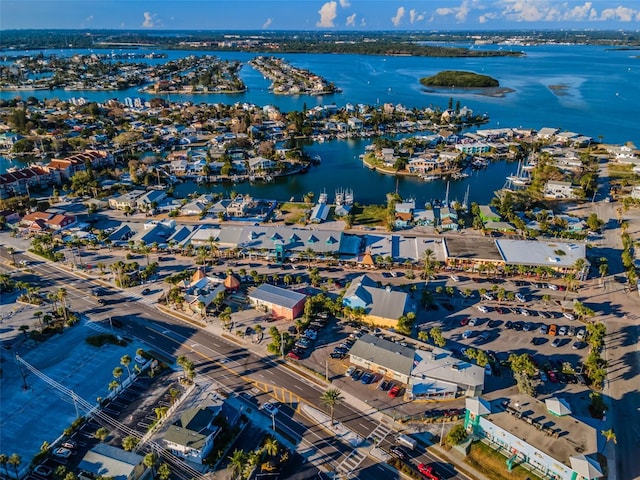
[[562, 331], [520, 298], [467, 334], [482, 308], [455, 278], [580, 334], [525, 312], [140, 359], [552, 286], [62, 452], [473, 321], [349, 371], [271, 407], [569, 315]]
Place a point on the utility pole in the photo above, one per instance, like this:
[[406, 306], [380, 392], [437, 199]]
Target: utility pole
[[442, 432], [326, 369], [273, 421], [25, 385]]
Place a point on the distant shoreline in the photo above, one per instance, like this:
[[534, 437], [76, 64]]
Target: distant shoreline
[[496, 92]]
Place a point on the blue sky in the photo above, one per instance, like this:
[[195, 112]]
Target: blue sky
[[350, 15]]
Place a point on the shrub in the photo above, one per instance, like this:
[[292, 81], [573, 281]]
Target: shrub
[[457, 435]]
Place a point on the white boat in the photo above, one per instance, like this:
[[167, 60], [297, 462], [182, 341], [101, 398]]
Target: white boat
[[429, 178]]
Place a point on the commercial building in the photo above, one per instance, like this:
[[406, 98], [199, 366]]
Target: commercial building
[[429, 373], [106, 461], [278, 301], [382, 306], [541, 436]]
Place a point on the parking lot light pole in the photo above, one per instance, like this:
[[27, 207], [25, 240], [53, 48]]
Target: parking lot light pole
[[273, 421]]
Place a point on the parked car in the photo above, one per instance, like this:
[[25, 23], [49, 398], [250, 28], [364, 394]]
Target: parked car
[[62, 452], [556, 342], [428, 472], [552, 286], [467, 333], [553, 330], [473, 321], [357, 375], [394, 391], [482, 308], [385, 385], [146, 291], [538, 341], [293, 355], [579, 345], [70, 444], [544, 329], [568, 315], [552, 376], [350, 371], [43, 471], [455, 278], [493, 323], [581, 334], [562, 331], [500, 310], [527, 326], [464, 321], [337, 355], [367, 378], [520, 298], [525, 312], [271, 407]]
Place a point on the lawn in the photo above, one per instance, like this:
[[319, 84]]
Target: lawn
[[618, 173], [493, 464], [294, 212], [370, 215]]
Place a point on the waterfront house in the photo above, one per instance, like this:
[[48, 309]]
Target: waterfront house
[[489, 214], [560, 190], [424, 217], [126, 200], [473, 148], [547, 133], [146, 202], [260, 164], [448, 218], [355, 123], [404, 213]]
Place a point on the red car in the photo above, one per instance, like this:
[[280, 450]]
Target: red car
[[464, 321], [429, 472], [293, 355], [393, 393], [552, 376]]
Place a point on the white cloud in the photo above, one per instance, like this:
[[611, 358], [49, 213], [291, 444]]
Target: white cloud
[[345, 3], [363, 23], [267, 23], [149, 20], [485, 17], [398, 18], [327, 15], [580, 12], [461, 13], [415, 16], [351, 20], [623, 14], [89, 19], [524, 10]]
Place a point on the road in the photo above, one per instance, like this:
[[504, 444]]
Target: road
[[236, 368]]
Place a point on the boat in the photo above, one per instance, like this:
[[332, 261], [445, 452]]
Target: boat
[[429, 178]]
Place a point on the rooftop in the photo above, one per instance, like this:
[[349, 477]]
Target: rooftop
[[389, 355], [537, 252], [439, 365], [472, 248], [574, 435], [110, 462], [277, 296]]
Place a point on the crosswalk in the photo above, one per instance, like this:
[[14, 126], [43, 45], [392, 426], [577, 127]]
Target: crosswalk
[[358, 455]]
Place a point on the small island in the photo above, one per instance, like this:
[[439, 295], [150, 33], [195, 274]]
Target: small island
[[457, 78]]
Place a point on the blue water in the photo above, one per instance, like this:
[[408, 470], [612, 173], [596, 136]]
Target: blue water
[[599, 99]]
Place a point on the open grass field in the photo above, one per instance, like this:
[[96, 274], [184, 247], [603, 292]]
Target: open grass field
[[493, 464]]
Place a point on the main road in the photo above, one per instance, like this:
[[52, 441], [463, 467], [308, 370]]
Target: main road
[[236, 368]]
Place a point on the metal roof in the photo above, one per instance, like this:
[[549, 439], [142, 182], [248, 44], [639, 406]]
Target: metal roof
[[389, 355], [277, 296]]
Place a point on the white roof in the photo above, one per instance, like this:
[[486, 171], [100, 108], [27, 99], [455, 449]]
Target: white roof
[[544, 253], [558, 406], [441, 366], [586, 467]]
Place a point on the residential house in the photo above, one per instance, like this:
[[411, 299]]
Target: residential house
[[18, 182], [382, 306], [635, 192], [45, 221], [560, 190], [355, 123], [424, 217], [489, 214], [448, 218], [152, 198], [193, 435], [473, 148], [260, 164], [404, 213], [126, 200]]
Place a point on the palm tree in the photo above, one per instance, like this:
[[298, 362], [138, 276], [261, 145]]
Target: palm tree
[[15, 460], [150, 460], [271, 446], [331, 398], [62, 297], [125, 361], [238, 461], [130, 443], [102, 433], [164, 472], [4, 459], [113, 385], [12, 252], [609, 436], [117, 373]]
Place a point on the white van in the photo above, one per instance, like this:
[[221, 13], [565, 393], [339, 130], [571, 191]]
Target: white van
[[406, 441]]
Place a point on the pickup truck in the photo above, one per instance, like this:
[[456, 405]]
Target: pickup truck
[[428, 472]]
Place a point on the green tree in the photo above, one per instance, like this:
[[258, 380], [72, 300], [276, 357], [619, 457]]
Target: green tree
[[238, 461], [150, 461], [15, 461], [4, 460], [125, 361], [117, 373], [609, 436], [164, 472], [331, 398], [456, 435], [129, 443], [101, 434], [271, 446]]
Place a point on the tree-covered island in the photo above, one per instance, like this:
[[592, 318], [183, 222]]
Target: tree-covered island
[[458, 78]]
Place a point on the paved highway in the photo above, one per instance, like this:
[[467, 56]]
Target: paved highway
[[234, 367]]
